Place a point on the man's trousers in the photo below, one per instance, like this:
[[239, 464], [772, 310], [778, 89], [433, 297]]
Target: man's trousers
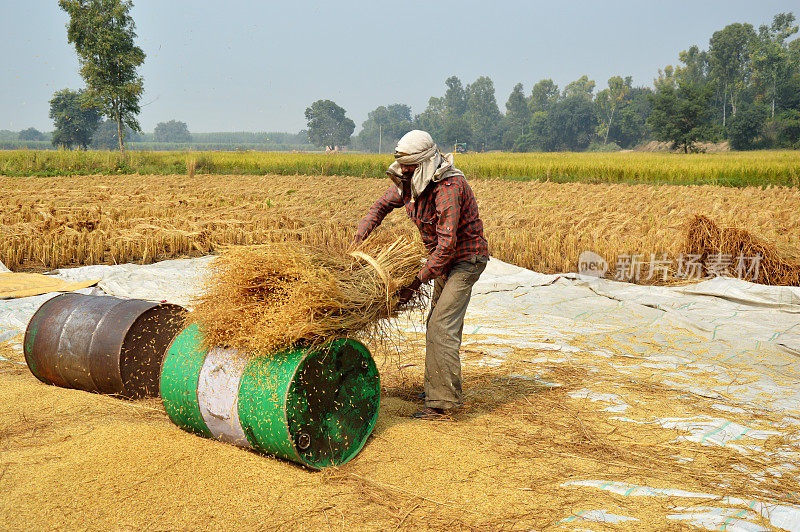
[[445, 325]]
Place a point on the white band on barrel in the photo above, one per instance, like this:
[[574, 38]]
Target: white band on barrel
[[218, 394]]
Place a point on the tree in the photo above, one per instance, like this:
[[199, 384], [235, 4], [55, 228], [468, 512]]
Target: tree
[[609, 101], [455, 98], [773, 61], [696, 66], [172, 131], [537, 136], [31, 134], [788, 134], [328, 125], [517, 116], [746, 126], [75, 118], [543, 95], [384, 127], [680, 114], [482, 112], [729, 55], [630, 126], [583, 87], [103, 34], [455, 130], [433, 118], [570, 124], [105, 137]]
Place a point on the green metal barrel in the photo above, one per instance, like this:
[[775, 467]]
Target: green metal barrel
[[312, 406]]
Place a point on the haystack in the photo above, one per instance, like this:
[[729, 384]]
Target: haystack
[[706, 239], [284, 294]]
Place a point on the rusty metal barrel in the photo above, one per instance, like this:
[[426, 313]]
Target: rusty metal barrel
[[101, 344]]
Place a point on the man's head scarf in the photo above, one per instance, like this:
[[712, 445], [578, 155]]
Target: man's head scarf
[[417, 148]]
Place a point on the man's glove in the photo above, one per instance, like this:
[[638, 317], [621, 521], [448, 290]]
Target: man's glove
[[405, 294]]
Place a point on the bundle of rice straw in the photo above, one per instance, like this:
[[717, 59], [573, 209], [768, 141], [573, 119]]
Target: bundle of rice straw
[[275, 296], [705, 238]]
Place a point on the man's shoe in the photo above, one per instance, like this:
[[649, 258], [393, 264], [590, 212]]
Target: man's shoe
[[432, 414]]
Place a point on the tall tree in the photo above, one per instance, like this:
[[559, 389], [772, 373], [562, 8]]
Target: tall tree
[[518, 115], [696, 67], [103, 34], [75, 118], [729, 55], [570, 124], [455, 98], [773, 61], [680, 114], [328, 125], [609, 101], [482, 113], [583, 87], [543, 95], [630, 127]]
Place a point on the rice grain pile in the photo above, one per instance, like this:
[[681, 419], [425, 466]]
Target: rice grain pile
[[275, 296], [706, 239]]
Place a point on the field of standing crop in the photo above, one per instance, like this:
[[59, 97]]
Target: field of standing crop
[[47, 223], [735, 169]]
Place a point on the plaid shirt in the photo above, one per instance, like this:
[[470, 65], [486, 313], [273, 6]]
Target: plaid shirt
[[447, 217]]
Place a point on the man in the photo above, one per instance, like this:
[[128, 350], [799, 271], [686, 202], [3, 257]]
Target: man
[[439, 201]]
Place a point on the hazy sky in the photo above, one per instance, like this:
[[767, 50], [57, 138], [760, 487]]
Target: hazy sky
[[255, 66]]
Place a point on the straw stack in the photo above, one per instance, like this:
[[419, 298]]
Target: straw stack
[[279, 295], [707, 239]]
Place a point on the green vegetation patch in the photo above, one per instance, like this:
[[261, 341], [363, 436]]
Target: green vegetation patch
[[735, 169]]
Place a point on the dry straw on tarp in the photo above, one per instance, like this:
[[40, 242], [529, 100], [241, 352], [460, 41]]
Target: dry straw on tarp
[[707, 239], [278, 295]]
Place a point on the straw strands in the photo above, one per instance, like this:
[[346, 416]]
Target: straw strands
[[278, 295]]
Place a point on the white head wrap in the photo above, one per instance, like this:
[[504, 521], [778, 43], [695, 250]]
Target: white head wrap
[[417, 148]]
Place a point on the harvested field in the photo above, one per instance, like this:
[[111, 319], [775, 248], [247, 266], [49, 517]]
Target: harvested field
[[47, 223]]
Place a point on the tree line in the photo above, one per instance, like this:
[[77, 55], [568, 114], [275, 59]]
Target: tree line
[[744, 88]]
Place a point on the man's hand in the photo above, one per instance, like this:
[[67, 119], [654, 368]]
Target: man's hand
[[405, 294], [355, 242]]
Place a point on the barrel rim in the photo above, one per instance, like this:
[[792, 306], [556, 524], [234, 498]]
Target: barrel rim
[[317, 350], [28, 353], [177, 310]]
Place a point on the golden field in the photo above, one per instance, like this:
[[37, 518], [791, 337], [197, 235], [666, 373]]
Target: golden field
[[47, 223]]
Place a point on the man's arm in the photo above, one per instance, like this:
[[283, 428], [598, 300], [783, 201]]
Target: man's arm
[[390, 200], [448, 207]]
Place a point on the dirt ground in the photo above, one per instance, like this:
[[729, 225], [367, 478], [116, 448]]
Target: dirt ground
[[74, 460]]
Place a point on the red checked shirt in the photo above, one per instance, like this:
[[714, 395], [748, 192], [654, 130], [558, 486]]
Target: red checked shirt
[[447, 217]]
